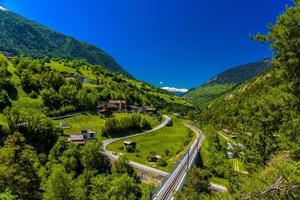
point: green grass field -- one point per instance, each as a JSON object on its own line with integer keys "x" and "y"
{"x": 220, "y": 181}
{"x": 61, "y": 67}
{"x": 205, "y": 154}
{"x": 92, "y": 121}
{"x": 158, "y": 142}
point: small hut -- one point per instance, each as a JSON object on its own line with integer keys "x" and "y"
{"x": 105, "y": 112}
{"x": 121, "y": 104}
{"x": 77, "y": 139}
{"x": 227, "y": 131}
{"x": 149, "y": 110}
{"x": 130, "y": 146}
{"x": 155, "y": 158}
{"x": 112, "y": 107}
{"x": 64, "y": 125}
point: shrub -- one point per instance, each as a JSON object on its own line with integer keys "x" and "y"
{"x": 145, "y": 125}
{"x": 162, "y": 162}
{"x": 4, "y": 100}
{"x": 33, "y": 95}
{"x": 170, "y": 123}
{"x": 167, "y": 152}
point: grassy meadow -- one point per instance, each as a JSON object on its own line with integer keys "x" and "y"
{"x": 168, "y": 142}
{"x": 92, "y": 121}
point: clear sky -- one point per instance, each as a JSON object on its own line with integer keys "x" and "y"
{"x": 181, "y": 43}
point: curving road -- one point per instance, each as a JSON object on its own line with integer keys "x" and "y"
{"x": 135, "y": 164}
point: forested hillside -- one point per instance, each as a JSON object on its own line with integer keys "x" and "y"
{"x": 37, "y": 161}
{"x": 55, "y": 87}
{"x": 21, "y": 36}
{"x": 263, "y": 115}
{"x": 224, "y": 82}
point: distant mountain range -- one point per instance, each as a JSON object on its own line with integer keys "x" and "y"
{"x": 176, "y": 91}
{"x": 224, "y": 82}
{"x": 24, "y": 37}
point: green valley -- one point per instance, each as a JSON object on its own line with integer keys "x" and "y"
{"x": 75, "y": 125}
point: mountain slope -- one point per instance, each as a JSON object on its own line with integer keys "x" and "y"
{"x": 21, "y": 36}
{"x": 58, "y": 86}
{"x": 224, "y": 82}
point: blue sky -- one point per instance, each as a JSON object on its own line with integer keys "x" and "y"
{"x": 181, "y": 43}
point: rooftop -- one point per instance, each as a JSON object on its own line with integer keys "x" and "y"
{"x": 75, "y": 137}
{"x": 116, "y": 101}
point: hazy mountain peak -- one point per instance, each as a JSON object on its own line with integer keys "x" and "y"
{"x": 3, "y": 9}
{"x": 173, "y": 89}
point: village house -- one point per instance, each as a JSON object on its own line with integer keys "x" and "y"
{"x": 88, "y": 135}
{"x": 130, "y": 146}
{"x": 149, "y": 110}
{"x": 112, "y": 107}
{"x": 134, "y": 109}
{"x": 83, "y": 137}
{"x": 121, "y": 104}
{"x": 104, "y": 111}
{"x": 77, "y": 139}
{"x": 226, "y": 131}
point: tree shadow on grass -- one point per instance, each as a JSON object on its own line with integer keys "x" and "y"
{"x": 12, "y": 93}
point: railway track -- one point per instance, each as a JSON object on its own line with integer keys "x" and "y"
{"x": 176, "y": 179}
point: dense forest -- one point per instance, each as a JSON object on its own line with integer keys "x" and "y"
{"x": 264, "y": 114}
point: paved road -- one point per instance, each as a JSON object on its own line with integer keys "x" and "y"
{"x": 176, "y": 180}
{"x": 135, "y": 164}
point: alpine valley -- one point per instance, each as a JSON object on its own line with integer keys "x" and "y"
{"x": 75, "y": 125}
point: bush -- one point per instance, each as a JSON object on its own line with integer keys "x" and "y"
{"x": 159, "y": 118}
{"x": 167, "y": 152}
{"x": 134, "y": 123}
{"x": 33, "y": 95}
{"x": 145, "y": 125}
{"x": 4, "y": 100}
{"x": 170, "y": 123}
{"x": 162, "y": 162}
